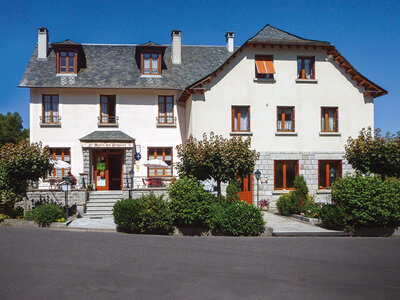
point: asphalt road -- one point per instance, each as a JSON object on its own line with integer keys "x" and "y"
{"x": 57, "y": 264}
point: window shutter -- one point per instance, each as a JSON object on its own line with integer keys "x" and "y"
{"x": 340, "y": 169}
{"x": 248, "y": 119}
{"x": 293, "y": 121}
{"x": 336, "y": 120}
{"x": 270, "y": 65}
{"x": 313, "y": 68}
{"x": 233, "y": 118}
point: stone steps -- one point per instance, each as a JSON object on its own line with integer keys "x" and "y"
{"x": 101, "y": 203}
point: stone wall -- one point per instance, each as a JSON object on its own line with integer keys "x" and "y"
{"x": 136, "y": 193}
{"x": 308, "y": 167}
{"x": 75, "y": 196}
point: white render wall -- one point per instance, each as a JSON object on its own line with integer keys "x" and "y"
{"x": 79, "y": 108}
{"x": 236, "y": 85}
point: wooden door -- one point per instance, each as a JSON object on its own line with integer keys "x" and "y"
{"x": 246, "y": 190}
{"x": 101, "y": 172}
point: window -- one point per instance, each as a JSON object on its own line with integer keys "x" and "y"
{"x": 60, "y": 154}
{"x": 240, "y": 118}
{"x": 264, "y": 67}
{"x": 107, "y": 109}
{"x": 164, "y": 154}
{"x": 306, "y": 68}
{"x": 50, "y": 109}
{"x": 285, "y": 118}
{"x": 329, "y": 119}
{"x": 67, "y": 62}
{"x": 151, "y": 63}
{"x": 285, "y": 172}
{"x": 328, "y": 172}
{"x": 166, "y": 110}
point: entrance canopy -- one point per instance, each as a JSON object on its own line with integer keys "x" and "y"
{"x": 107, "y": 139}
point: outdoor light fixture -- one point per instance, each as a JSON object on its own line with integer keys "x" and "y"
{"x": 67, "y": 182}
{"x": 258, "y": 176}
{"x": 131, "y": 174}
{"x": 332, "y": 176}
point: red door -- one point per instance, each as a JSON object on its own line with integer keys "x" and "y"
{"x": 101, "y": 172}
{"x": 246, "y": 193}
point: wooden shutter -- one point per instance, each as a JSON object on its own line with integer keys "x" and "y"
{"x": 248, "y": 118}
{"x": 340, "y": 169}
{"x": 261, "y": 69}
{"x": 336, "y": 120}
{"x": 293, "y": 123}
{"x": 269, "y": 65}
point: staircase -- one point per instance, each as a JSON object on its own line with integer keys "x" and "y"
{"x": 101, "y": 203}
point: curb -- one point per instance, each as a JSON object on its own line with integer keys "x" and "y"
{"x": 319, "y": 234}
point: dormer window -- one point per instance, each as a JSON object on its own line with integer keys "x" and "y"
{"x": 151, "y": 63}
{"x": 67, "y": 62}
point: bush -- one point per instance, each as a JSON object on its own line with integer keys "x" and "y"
{"x": 46, "y": 214}
{"x": 147, "y": 214}
{"x": 285, "y": 204}
{"x": 189, "y": 203}
{"x": 232, "y": 191}
{"x": 2, "y": 217}
{"x": 310, "y": 210}
{"x": 293, "y": 202}
{"x": 236, "y": 218}
{"x": 367, "y": 201}
{"x": 332, "y": 217}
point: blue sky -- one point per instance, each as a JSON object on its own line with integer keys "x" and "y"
{"x": 365, "y": 32}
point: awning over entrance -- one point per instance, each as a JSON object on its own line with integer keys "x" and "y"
{"x": 107, "y": 139}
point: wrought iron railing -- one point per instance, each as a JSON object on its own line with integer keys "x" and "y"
{"x": 104, "y": 120}
{"x": 166, "y": 120}
{"x": 50, "y": 119}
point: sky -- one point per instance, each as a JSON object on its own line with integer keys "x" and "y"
{"x": 367, "y": 33}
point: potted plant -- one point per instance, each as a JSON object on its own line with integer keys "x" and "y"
{"x": 264, "y": 204}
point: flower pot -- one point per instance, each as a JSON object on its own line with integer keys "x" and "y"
{"x": 265, "y": 208}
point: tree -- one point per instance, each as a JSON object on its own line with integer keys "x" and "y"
{"x": 224, "y": 160}
{"x": 374, "y": 153}
{"x": 11, "y": 130}
{"x": 20, "y": 163}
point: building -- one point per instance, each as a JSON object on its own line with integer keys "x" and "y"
{"x": 299, "y": 100}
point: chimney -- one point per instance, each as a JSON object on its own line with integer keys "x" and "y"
{"x": 43, "y": 43}
{"x": 229, "y": 40}
{"x": 176, "y": 47}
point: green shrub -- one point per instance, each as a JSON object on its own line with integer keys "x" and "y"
{"x": 126, "y": 214}
{"x": 46, "y": 214}
{"x": 2, "y": 217}
{"x": 310, "y": 210}
{"x": 147, "y": 214}
{"x": 232, "y": 191}
{"x": 300, "y": 194}
{"x": 332, "y": 217}
{"x": 367, "y": 201}
{"x": 29, "y": 215}
{"x": 236, "y": 218}
{"x": 285, "y": 204}
{"x": 189, "y": 203}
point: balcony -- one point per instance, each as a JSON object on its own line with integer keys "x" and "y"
{"x": 167, "y": 121}
{"x": 107, "y": 121}
{"x": 50, "y": 121}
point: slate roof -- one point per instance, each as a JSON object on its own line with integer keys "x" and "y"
{"x": 107, "y": 135}
{"x": 117, "y": 66}
{"x": 272, "y": 35}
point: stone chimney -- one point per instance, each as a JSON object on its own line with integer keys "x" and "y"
{"x": 229, "y": 40}
{"x": 176, "y": 47}
{"x": 43, "y": 43}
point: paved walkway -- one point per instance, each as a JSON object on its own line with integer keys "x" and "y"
{"x": 86, "y": 223}
{"x": 286, "y": 226}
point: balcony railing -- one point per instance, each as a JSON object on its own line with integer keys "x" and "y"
{"x": 50, "y": 120}
{"x": 108, "y": 120}
{"x": 168, "y": 120}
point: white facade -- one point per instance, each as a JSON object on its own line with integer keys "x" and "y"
{"x": 79, "y": 110}
{"x": 206, "y": 107}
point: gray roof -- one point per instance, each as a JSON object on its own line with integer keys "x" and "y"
{"x": 117, "y": 66}
{"x": 272, "y": 35}
{"x": 107, "y": 135}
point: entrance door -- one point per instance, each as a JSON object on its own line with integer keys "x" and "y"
{"x": 115, "y": 166}
{"x": 246, "y": 189}
{"x": 101, "y": 171}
